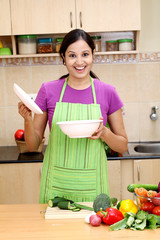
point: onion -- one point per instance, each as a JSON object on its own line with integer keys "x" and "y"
{"x": 95, "y": 220}
{"x": 159, "y": 187}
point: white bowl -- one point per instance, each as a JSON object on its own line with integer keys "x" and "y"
{"x": 79, "y": 128}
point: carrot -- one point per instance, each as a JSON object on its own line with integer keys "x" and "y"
{"x": 151, "y": 193}
{"x": 141, "y": 192}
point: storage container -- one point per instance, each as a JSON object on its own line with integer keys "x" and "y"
{"x": 27, "y": 44}
{"x": 97, "y": 43}
{"x": 45, "y": 45}
{"x": 58, "y": 44}
{"x": 111, "y": 45}
{"x": 125, "y": 44}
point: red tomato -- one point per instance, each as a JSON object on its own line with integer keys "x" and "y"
{"x": 156, "y": 201}
{"x": 156, "y": 210}
{"x": 147, "y": 207}
{"x": 19, "y": 135}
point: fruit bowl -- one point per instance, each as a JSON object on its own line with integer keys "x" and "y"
{"x": 141, "y": 200}
{"x": 79, "y": 128}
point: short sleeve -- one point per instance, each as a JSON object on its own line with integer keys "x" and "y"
{"x": 115, "y": 102}
{"x": 41, "y": 99}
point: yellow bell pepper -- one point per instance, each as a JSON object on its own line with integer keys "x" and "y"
{"x": 128, "y": 205}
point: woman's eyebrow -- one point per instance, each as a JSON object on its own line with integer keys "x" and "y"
{"x": 75, "y": 52}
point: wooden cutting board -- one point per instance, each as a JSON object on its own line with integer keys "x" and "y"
{"x": 56, "y": 213}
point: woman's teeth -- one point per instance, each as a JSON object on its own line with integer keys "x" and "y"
{"x": 79, "y": 68}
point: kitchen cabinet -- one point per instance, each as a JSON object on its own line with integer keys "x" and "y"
{"x": 20, "y": 183}
{"x": 61, "y": 16}
{"x": 147, "y": 171}
{"x": 114, "y": 178}
{"x": 106, "y": 15}
{"x": 5, "y": 19}
{"x": 54, "y": 18}
{"x": 42, "y": 16}
{"x": 127, "y": 177}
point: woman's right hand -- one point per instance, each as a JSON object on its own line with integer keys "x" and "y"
{"x": 24, "y": 111}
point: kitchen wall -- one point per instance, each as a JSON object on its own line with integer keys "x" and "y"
{"x": 137, "y": 82}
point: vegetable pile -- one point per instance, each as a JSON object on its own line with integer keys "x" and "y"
{"x": 147, "y": 197}
{"x": 141, "y": 220}
{"x": 125, "y": 214}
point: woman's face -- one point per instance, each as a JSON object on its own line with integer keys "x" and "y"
{"x": 79, "y": 59}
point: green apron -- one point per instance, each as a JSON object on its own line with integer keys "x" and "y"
{"x": 75, "y": 168}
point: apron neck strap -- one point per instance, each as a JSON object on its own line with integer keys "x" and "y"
{"x": 64, "y": 87}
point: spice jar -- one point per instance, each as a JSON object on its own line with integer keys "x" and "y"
{"x": 27, "y": 44}
{"x": 125, "y": 44}
{"x": 111, "y": 45}
{"x": 97, "y": 43}
{"x": 58, "y": 44}
{"x": 45, "y": 45}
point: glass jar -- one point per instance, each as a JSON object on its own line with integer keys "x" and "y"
{"x": 125, "y": 44}
{"x": 97, "y": 43}
{"x": 111, "y": 45}
{"x": 27, "y": 44}
{"x": 45, "y": 45}
{"x": 58, "y": 44}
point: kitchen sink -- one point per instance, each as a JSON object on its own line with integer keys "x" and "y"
{"x": 143, "y": 149}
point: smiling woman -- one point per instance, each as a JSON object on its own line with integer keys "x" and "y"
{"x": 76, "y": 168}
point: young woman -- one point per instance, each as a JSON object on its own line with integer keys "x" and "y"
{"x": 75, "y": 168}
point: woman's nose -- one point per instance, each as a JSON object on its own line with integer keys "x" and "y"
{"x": 79, "y": 60}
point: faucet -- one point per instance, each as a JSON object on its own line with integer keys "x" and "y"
{"x": 153, "y": 115}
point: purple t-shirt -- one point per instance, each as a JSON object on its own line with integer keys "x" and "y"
{"x": 106, "y": 96}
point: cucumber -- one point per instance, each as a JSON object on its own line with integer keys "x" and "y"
{"x": 152, "y": 187}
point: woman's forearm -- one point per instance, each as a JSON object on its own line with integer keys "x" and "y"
{"x": 31, "y": 138}
{"x": 115, "y": 142}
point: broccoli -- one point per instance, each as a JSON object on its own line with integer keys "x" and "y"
{"x": 101, "y": 201}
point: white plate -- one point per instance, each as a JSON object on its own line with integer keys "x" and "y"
{"x": 79, "y": 128}
{"x": 26, "y": 99}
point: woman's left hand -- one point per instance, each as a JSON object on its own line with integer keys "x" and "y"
{"x": 99, "y": 130}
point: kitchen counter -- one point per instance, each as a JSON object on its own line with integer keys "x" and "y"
{"x": 27, "y": 222}
{"x": 10, "y": 154}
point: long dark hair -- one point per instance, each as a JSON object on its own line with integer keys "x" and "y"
{"x": 72, "y": 37}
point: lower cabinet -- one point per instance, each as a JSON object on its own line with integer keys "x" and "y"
{"x": 20, "y": 183}
{"x": 114, "y": 178}
{"x": 147, "y": 171}
{"x": 120, "y": 175}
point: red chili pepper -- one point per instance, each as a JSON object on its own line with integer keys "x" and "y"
{"x": 111, "y": 216}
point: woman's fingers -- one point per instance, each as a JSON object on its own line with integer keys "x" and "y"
{"x": 23, "y": 110}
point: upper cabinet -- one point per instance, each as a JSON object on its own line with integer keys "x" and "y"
{"x": 108, "y": 15}
{"x": 61, "y": 16}
{"x": 5, "y": 20}
{"x": 42, "y": 16}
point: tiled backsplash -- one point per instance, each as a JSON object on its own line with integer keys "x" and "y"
{"x": 136, "y": 78}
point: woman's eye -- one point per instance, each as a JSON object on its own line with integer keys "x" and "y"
{"x": 72, "y": 55}
{"x": 85, "y": 54}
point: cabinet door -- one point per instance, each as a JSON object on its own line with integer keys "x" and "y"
{"x": 147, "y": 171}
{"x": 20, "y": 183}
{"x": 114, "y": 178}
{"x": 42, "y": 16}
{"x": 5, "y": 20}
{"x": 107, "y": 15}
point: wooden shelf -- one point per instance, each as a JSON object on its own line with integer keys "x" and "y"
{"x": 57, "y": 54}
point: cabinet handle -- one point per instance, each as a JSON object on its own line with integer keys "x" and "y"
{"x": 80, "y": 19}
{"x": 138, "y": 173}
{"x": 71, "y": 24}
